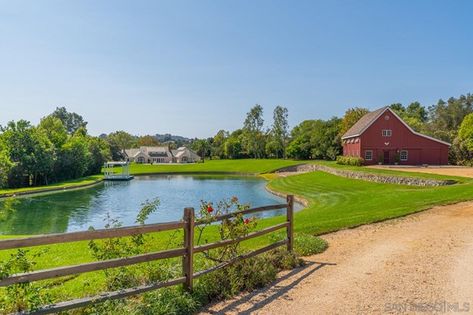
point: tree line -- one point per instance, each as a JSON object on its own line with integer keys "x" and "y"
{"x": 59, "y": 148}
{"x": 450, "y": 120}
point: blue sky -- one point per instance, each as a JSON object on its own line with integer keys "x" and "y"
{"x": 194, "y": 67}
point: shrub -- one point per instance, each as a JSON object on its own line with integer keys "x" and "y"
{"x": 306, "y": 244}
{"x": 350, "y": 160}
{"x": 22, "y": 296}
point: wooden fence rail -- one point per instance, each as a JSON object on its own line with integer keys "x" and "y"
{"x": 187, "y": 253}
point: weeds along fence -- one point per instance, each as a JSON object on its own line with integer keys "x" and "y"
{"x": 188, "y": 224}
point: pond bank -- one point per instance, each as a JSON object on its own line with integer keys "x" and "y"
{"x": 53, "y": 188}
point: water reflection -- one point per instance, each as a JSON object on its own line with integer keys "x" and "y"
{"x": 80, "y": 209}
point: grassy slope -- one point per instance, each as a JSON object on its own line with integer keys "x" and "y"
{"x": 66, "y": 184}
{"x": 335, "y": 203}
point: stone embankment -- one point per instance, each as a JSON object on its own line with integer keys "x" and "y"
{"x": 378, "y": 178}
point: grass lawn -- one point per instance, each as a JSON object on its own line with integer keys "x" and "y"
{"x": 334, "y": 203}
{"x": 245, "y": 166}
{"x": 62, "y": 185}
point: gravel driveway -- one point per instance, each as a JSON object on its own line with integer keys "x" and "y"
{"x": 420, "y": 264}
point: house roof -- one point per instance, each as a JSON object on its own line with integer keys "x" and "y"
{"x": 368, "y": 119}
{"x": 361, "y": 125}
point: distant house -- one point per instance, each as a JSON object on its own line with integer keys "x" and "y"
{"x": 161, "y": 155}
{"x": 185, "y": 155}
{"x": 383, "y": 137}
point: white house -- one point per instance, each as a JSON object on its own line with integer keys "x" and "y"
{"x": 161, "y": 155}
{"x": 185, "y": 155}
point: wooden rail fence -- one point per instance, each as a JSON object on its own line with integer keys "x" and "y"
{"x": 187, "y": 253}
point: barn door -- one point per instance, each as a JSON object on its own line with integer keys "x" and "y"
{"x": 386, "y": 157}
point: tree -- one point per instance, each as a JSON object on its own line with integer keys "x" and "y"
{"x": 351, "y": 116}
{"x": 233, "y": 145}
{"x": 316, "y": 139}
{"x": 100, "y": 153}
{"x": 276, "y": 146}
{"x": 445, "y": 117}
{"x": 75, "y": 157}
{"x": 147, "y": 141}
{"x": 300, "y": 146}
{"x": 218, "y": 144}
{"x": 31, "y": 153}
{"x": 72, "y": 121}
{"x": 119, "y": 141}
{"x": 201, "y": 146}
{"x": 5, "y": 165}
{"x": 253, "y": 138}
{"x": 415, "y": 115}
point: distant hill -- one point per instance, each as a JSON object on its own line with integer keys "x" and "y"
{"x": 172, "y": 138}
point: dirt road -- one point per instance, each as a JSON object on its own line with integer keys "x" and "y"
{"x": 418, "y": 264}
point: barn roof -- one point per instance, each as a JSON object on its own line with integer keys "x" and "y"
{"x": 364, "y": 122}
{"x": 368, "y": 119}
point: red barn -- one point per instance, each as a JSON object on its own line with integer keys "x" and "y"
{"x": 383, "y": 137}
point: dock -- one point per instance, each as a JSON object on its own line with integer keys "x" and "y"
{"x": 111, "y": 175}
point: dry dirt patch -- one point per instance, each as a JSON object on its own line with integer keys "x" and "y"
{"x": 416, "y": 264}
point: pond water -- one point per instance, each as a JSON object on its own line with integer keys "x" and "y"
{"x": 78, "y": 210}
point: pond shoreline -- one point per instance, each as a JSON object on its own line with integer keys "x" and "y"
{"x": 38, "y": 190}
{"x": 49, "y": 190}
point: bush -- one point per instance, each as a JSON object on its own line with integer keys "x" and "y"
{"x": 306, "y": 244}
{"x": 350, "y": 160}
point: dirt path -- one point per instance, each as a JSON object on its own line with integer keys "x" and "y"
{"x": 441, "y": 170}
{"x": 418, "y": 264}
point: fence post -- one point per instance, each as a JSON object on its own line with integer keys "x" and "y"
{"x": 188, "y": 259}
{"x": 290, "y": 220}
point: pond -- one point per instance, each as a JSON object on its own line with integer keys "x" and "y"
{"x": 80, "y": 209}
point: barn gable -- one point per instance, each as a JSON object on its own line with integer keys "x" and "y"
{"x": 370, "y": 118}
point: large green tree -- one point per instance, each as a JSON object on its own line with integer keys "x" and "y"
{"x": 253, "y": 137}
{"x": 316, "y": 139}
{"x": 277, "y": 143}
{"x": 72, "y": 121}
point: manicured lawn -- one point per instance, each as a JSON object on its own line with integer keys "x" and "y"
{"x": 245, "y": 166}
{"x": 335, "y": 203}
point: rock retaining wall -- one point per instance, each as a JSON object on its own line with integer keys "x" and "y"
{"x": 378, "y": 178}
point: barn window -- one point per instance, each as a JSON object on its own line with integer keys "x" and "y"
{"x": 368, "y": 155}
{"x": 387, "y": 132}
{"x": 403, "y": 155}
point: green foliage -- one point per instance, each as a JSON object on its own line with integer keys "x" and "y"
{"x": 352, "y": 115}
{"x": 350, "y": 160}
{"x": 22, "y": 296}
{"x": 276, "y": 146}
{"x": 253, "y": 139}
{"x": 112, "y": 248}
{"x": 465, "y": 133}
{"x": 119, "y": 141}
{"x": 71, "y": 121}
{"x": 306, "y": 244}
{"x": 315, "y": 139}
{"x": 147, "y": 141}
{"x": 34, "y": 156}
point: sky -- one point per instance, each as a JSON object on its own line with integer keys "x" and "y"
{"x": 194, "y": 67}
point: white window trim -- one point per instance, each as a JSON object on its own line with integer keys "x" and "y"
{"x": 387, "y": 132}
{"x": 370, "y": 159}
{"x": 400, "y": 155}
